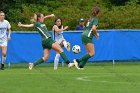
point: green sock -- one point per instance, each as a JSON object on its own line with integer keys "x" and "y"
{"x": 63, "y": 56}
{"x": 82, "y": 64}
{"x": 84, "y": 58}
{"x": 39, "y": 61}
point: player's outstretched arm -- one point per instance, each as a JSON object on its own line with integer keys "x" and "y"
{"x": 25, "y": 25}
{"x": 49, "y": 16}
{"x": 95, "y": 32}
{"x": 66, "y": 27}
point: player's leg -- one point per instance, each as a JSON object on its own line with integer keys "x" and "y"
{"x": 57, "y": 48}
{"x": 79, "y": 63}
{"x": 41, "y": 60}
{"x": 66, "y": 45}
{"x": 56, "y": 60}
{"x": 91, "y": 52}
{"x": 4, "y": 51}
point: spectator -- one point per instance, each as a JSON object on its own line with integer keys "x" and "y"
{"x": 81, "y": 25}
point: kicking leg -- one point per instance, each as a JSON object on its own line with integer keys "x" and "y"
{"x": 57, "y": 48}
{"x": 66, "y": 45}
{"x": 83, "y": 60}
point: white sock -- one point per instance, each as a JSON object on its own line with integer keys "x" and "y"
{"x": 3, "y": 59}
{"x": 65, "y": 44}
{"x": 56, "y": 60}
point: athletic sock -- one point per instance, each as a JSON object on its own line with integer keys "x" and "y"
{"x": 84, "y": 58}
{"x": 3, "y": 60}
{"x": 56, "y": 60}
{"x": 82, "y": 64}
{"x": 41, "y": 60}
{"x": 2, "y": 66}
{"x": 64, "y": 57}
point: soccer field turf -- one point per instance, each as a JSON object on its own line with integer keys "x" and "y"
{"x": 121, "y": 78}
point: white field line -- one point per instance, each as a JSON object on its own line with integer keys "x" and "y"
{"x": 87, "y": 79}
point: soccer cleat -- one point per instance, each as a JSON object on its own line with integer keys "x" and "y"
{"x": 68, "y": 46}
{"x": 76, "y": 64}
{"x": 70, "y": 65}
{"x": 2, "y": 66}
{"x": 55, "y": 68}
{"x": 31, "y": 66}
{"x": 81, "y": 68}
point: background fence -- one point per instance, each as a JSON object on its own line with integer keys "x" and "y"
{"x": 112, "y": 45}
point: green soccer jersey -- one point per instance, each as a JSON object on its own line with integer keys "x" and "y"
{"x": 88, "y": 29}
{"x": 42, "y": 29}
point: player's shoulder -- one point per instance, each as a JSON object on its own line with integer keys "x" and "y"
{"x": 36, "y": 24}
{"x": 6, "y": 21}
{"x": 95, "y": 19}
{"x": 55, "y": 26}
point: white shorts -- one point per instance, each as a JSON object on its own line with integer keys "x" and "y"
{"x": 3, "y": 41}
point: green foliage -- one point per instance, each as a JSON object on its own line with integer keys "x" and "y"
{"x": 114, "y": 14}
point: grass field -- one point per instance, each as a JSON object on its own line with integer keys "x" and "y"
{"x": 95, "y": 78}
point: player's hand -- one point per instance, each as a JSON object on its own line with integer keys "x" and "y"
{"x": 52, "y": 15}
{"x": 66, "y": 27}
{"x": 19, "y": 24}
{"x": 97, "y": 36}
{"x": 9, "y": 38}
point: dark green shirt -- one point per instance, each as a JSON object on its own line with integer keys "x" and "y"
{"x": 88, "y": 29}
{"x": 42, "y": 29}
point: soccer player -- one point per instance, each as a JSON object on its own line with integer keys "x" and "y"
{"x": 4, "y": 26}
{"x": 87, "y": 35}
{"x": 47, "y": 42}
{"x": 58, "y": 29}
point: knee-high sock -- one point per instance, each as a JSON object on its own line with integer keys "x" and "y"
{"x": 82, "y": 64}
{"x": 41, "y": 60}
{"x": 64, "y": 57}
{"x": 3, "y": 59}
{"x": 56, "y": 60}
{"x": 82, "y": 61}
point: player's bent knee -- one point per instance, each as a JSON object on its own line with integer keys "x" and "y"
{"x": 60, "y": 51}
{"x": 4, "y": 54}
{"x": 91, "y": 53}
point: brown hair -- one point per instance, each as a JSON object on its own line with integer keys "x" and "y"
{"x": 61, "y": 22}
{"x": 95, "y": 11}
{"x": 38, "y": 15}
{"x": 1, "y": 12}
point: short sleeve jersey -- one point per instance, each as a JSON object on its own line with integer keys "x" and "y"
{"x": 4, "y": 25}
{"x": 88, "y": 29}
{"x": 42, "y": 29}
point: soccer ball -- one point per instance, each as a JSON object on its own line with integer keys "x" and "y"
{"x": 76, "y": 49}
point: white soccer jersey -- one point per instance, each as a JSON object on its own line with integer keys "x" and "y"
{"x": 3, "y": 28}
{"x": 58, "y": 36}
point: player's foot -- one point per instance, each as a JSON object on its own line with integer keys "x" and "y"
{"x": 70, "y": 65}
{"x": 55, "y": 68}
{"x": 81, "y": 68}
{"x": 31, "y": 66}
{"x": 2, "y": 66}
{"x": 76, "y": 64}
{"x": 68, "y": 46}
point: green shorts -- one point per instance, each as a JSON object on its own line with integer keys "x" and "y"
{"x": 47, "y": 43}
{"x": 86, "y": 40}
